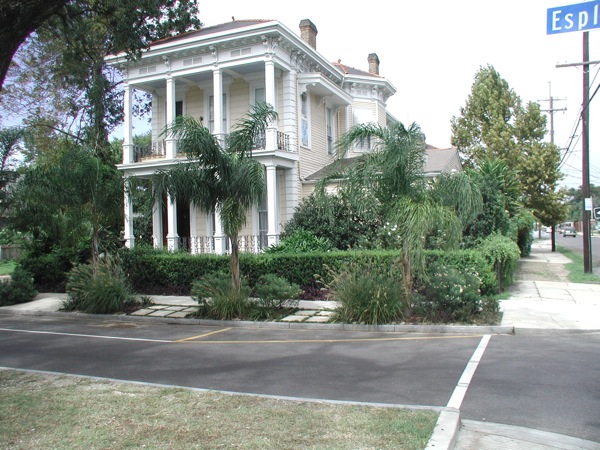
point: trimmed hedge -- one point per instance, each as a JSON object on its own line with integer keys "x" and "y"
{"x": 162, "y": 273}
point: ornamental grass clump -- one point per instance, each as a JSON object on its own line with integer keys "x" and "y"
{"x": 218, "y": 298}
{"x": 369, "y": 292}
{"x": 101, "y": 291}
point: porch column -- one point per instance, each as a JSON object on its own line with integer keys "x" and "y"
{"x": 157, "y": 225}
{"x": 172, "y": 236}
{"x": 220, "y": 238}
{"x": 291, "y": 192}
{"x": 271, "y": 131}
{"x": 128, "y": 229}
{"x": 289, "y": 118}
{"x": 128, "y": 155}
{"x": 170, "y": 140}
{"x": 272, "y": 199}
{"x": 194, "y": 229}
{"x": 218, "y": 102}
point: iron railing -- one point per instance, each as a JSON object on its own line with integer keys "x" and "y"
{"x": 201, "y": 245}
{"x": 156, "y": 150}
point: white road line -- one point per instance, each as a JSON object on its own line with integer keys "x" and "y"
{"x": 85, "y": 335}
{"x": 463, "y": 384}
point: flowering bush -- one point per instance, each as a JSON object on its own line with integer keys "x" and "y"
{"x": 452, "y": 295}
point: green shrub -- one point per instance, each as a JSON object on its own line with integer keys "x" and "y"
{"x": 49, "y": 271}
{"x": 369, "y": 292}
{"x": 453, "y": 294}
{"x": 161, "y": 272}
{"x": 463, "y": 260}
{"x": 19, "y": 289}
{"x": 276, "y": 292}
{"x": 218, "y": 298}
{"x": 301, "y": 241}
{"x": 521, "y": 229}
{"x": 502, "y": 253}
{"x": 105, "y": 292}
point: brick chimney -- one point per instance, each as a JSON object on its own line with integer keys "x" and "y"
{"x": 308, "y": 33}
{"x": 373, "y": 63}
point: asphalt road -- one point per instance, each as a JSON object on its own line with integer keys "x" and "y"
{"x": 544, "y": 382}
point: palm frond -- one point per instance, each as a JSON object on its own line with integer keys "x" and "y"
{"x": 254, "y": 124}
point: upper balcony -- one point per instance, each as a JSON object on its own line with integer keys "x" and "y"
{"x": 157, "y": 149}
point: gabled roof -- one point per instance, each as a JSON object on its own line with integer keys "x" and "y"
{"x": 439, "y": 160}
{"x": 348, "y": 70}
{"x": 436, "y": 161}
{"x": 213, "y": 29}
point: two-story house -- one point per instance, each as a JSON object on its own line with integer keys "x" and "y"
{"x": 216, "y": 74}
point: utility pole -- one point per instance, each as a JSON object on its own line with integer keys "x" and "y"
{"x": 551, "y": 110}
{"x": 585, "y": 164}
{"x": 585, "y": 151}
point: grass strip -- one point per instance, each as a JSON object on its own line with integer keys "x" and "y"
{"x": 7, "y": 266}
{"x": 60, "y": 412}
{"x": 575, "y": 267}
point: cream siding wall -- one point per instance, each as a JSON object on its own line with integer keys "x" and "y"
{"x": 201, "y": 225}
{"x": 369, "y": 110}
{"x": 194, "y": 103}
{"x": 239, "y": 92}
{"x": 316, "y": 157}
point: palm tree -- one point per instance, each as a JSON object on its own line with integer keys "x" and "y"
{"x": 219, "y": 175}
{"x": 412, "y": 206}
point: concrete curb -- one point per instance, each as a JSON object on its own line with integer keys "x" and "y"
{"x": 446, "y": 430}
{"x": 403, "y": 328}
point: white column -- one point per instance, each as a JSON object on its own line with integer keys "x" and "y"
{"x": 128, "y": 230}
{"x": 194, "y": 228}
{"x": 170, "y": 140}
{"x": 218, "y": 102}
{"x": 272, "y": 199}
{"x": 271, "y": 132}
{"x": 289, "y": 117}
{"x": 172, "y": 236}
{"x": 127, "y": 126}
{"x": 157, "y": 225}
{"x": 220, "y": 238}
{"x": 291, "y": 191}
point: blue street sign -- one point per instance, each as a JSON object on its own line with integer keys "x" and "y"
{"x": 579, "y": 17}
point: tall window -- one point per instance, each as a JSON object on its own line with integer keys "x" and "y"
{"x": 362, "y": 116}
{"x": 179, "y": 108}
{"x": 329, "y": 119}
{"x": 260, "y": 95}
{"x": 263, "y": 222}
{"x": 304, "y": 120}
{"x": 211, "y": 113}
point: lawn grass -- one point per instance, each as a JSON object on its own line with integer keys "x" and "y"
{"x": 7, "y": 266}
{"x": 575, "y": 267}
{"x": 61, "y": 412}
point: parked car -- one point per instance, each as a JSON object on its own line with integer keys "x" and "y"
{"x": 569, "y": 231}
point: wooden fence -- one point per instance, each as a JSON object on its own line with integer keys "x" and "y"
{"x": 10, "y": 251}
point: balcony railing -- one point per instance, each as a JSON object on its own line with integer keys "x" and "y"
{"x": 156, "y": 150}
{"x": 283, "y": 142}
{"x": 206, "y": 244}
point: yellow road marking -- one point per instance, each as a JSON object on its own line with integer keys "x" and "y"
{"x": 320, "y": 341}
{"x": 200, "y": 336}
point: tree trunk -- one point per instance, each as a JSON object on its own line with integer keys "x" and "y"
{"x": 18, "y": 19}
{"x": 235, "y": 263}
{"x": 407, "y": 279}
{"x": 95, "y": 251}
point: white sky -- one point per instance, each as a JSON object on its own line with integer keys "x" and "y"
{"x": 431, "y": 50}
